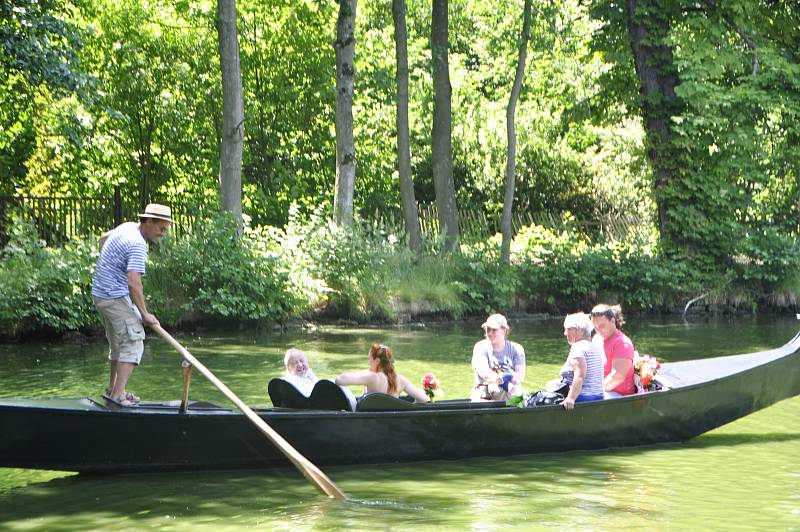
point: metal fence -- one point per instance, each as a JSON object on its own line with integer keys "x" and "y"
{"x": 58, "y": 219}
{"x": 475, "y": 225}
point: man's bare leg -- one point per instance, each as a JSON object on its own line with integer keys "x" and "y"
{"x": 112, "y": 376}
{"x": 123, "y": 373}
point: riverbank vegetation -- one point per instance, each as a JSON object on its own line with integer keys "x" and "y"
{"x": 644, "y": 153}
{"x": 315, "y": 270}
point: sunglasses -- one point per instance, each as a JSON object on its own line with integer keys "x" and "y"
{"x": 608, "y": 313}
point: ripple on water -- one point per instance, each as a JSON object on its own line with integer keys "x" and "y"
{"x": 744, "y": 475}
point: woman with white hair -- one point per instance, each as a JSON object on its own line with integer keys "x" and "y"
{"x": 583, "y": 370}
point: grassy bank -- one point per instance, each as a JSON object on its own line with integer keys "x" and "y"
{"x": 314, "y": 270}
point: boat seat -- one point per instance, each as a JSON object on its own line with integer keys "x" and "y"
{"x": 381, "y": 402}
{"x": 326, "y": 395}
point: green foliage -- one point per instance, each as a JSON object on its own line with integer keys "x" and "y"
{"x": 313, "y": 268}
{"x": 351, "y": 266}
{"x": 45, "y": 289}
{"x": 564, "y": 271}
{"x": 486, "y": 283}
{"x": 39, "y": 41}
{"x": 429, "y": 283}
{"x": 151, "y": 123}
{"x": 768, "y": 258}
{"x": 213, "y": 274}
{"x": 728, "y": 159}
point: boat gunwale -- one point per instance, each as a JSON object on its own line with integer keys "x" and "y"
{"x": 786, "y": 350}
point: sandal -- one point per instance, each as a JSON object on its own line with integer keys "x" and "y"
{"x": 121, "y": 401}
{"x": 133, "y": 398}
{"x": 129, "y": 396}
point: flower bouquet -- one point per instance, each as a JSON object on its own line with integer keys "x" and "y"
{"x": 645, "y": 368}
{"x": 431, "y": 386}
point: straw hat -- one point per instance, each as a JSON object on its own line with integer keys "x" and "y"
{"x": 157, "y": 211}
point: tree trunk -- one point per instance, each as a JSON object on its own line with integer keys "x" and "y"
{"x": 441, "y": 148}
{"x": 345, "y": 142}
{"x": 230, "y": 153}
{"x": 658, "y": 78}
{"x": 511, "y": 162}
{"x": 410, "y": 214}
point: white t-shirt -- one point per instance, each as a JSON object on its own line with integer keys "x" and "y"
{"x": 304, "y": 383}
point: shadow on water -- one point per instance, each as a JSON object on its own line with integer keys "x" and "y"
{"x": 411, "y": 494}
{"x": 598, "y": 490}
{"x": 727, "y": 440}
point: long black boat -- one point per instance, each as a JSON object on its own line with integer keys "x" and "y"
{"x": 96, "y": 435}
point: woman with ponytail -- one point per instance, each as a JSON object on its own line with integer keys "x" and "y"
{"x": 381, "y": 376}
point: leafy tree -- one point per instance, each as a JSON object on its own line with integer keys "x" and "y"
{"x": 158, "y": 115}
{"x": 345, "y": 142}
{"x": 410, "y": 213}
{"x": 39, "y": 41}
{"x": 441, "y": 143}
{"x": 38, "y": 59}
{"x": 230, "y": 158}
{"x": 511, "y": 162}
{"x": 289, "y": 146}
{"x": 715, "y": 81}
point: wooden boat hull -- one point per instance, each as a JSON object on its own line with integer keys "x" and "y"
{"x": 93, "y": 436}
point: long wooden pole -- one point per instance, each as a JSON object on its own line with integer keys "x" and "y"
{"x": 309, "y": 470}
{"x": 187, "y": 378}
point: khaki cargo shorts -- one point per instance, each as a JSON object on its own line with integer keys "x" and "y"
{"x": 124, "y": 329}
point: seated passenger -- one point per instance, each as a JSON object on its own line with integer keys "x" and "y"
{"x": 618, "y": 350}
{"x": 298, "y": 372}
{"x": 381, "y": 376}
{"x": 583, "y": 370}
{"x": 498, "y": 364}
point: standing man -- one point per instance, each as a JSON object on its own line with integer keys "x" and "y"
{"x": 498, "y": 363}
{"x": 119, "y": 297}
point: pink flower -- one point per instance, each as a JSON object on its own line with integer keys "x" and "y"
{"x": 646, "y": 367}
{"x": 431, "y": 386}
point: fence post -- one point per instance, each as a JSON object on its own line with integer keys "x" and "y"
{"x": 117, "y": 206}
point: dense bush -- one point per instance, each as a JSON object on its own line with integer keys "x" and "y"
{"x": 768, "y": 258}
{"x": 315, "y": 269}
{"x": 564, "y": 271}
{"x": 212, "y": 274}
{"x": 45, "y": 289}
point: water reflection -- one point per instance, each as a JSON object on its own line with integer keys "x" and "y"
{"x": 744, "y": 475}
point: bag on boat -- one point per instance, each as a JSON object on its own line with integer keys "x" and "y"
{"x": 544, "y": 398}
{"x": 557, "y": 386}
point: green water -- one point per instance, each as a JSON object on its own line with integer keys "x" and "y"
{"x": 745, "y": 475}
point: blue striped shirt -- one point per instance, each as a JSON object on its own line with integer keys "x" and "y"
{"x": 125, "y": 250}
{"x": 593, "y": 382}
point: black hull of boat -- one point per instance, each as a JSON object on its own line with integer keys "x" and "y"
{"x": 94, "y": 436}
